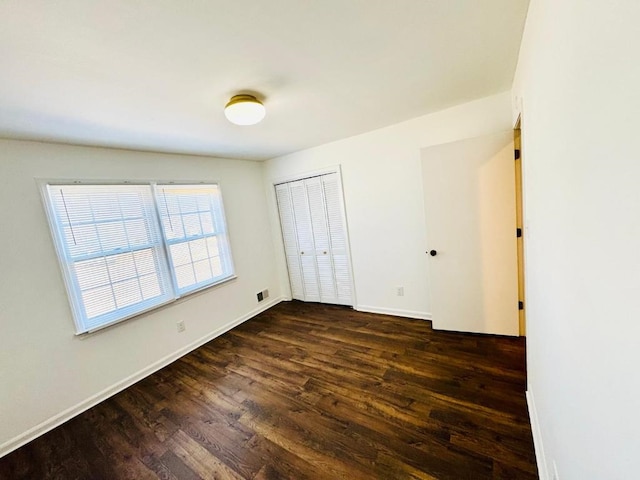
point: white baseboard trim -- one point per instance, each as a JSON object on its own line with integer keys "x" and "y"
{"x": 393, "y": 311}
{"x": 541, "y": 460}
{"x": 68, "y": 414}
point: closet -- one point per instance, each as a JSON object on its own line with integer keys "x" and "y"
{"x": 315, "y": 239}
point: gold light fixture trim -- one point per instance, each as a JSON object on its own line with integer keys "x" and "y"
{"x": 244, "y": 110}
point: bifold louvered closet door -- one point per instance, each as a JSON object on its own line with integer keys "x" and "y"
{"x": 315, "y": 239}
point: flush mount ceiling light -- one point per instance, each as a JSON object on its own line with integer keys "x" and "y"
{"x": 244, "y": 110}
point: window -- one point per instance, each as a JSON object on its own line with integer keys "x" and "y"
{"x": 125, "y": 249}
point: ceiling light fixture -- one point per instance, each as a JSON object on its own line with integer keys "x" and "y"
{"x": 244, "y": 110}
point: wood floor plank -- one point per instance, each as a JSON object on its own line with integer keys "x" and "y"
{"x": 199, "y": 459}
{"x": 308, "y": 391}
{"x": 300, "y": 442}
{"x": 289, "y": 465}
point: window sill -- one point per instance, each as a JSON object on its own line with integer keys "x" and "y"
{"x": 183, "y": 298}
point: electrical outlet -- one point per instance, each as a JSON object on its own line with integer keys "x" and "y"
{"x": 400, "y": 291}
{"x": 181, "y": 326}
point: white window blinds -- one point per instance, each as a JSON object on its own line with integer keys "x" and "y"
{"x": 113, "y": 250}
{"x": 194, "y": 229}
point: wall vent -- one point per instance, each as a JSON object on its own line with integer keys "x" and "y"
{"x": 262, "y": 295}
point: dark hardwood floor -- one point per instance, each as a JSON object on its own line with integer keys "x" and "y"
{"x": 308, "y": 391}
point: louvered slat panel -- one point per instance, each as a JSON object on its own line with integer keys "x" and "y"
{"x": 295, "y": 277}
{"x": 287, "y": 220}
{"x": 328, "y": 292}
{"x": 300, "y": 204}
{"x": 343, "y": 279}
{"x": 310, "y": 278}
{"x": 338, "y": 237}
{"x": 318, "y": 214}
{"x": 337, "y": 232}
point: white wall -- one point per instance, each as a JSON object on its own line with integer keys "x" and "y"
{"x": 578, "y": 86}
{"x": 382, "y": 181}
{"x": 46, "y": 373}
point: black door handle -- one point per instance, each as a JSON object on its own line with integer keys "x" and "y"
{"x": 433, "y": 253}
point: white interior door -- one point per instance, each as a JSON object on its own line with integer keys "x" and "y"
{"x": 338, "y": 239}
{"x": 315, "y": 239}
{"x": 470, "y": 211}
{"x": 290, "y": 240}
{"x": 306, "y": 244}
{"x": 322, "y": 246}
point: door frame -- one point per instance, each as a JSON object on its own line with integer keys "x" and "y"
{"x": 337, "y": 169}
{"x": 520, "y": 223}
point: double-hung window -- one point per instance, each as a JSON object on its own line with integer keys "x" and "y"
{"x": 125, "y": 249}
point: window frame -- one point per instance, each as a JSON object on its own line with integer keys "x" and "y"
{"x": 166, "y": 269}
{"x": 220, "y": 222}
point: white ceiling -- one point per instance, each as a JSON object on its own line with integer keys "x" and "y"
{"x": 156, "y": 74}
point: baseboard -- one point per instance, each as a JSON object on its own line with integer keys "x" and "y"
{"x": 541, "y": 460}
{"x": 69, "y": 413}
{"x": 393, "y": 311}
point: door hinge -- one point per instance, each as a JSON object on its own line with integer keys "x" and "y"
{"x": 520, "y": 305}
{"x": 518, "y": 232}
{"x": 517, "y": 154}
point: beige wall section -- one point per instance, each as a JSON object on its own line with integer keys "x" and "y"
{"x": 577, "y": 87}
{"x": 382, "y": 180}
{"x": 45, "y": 370}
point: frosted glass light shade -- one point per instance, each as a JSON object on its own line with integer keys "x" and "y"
{"x": 244, "y": 110}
